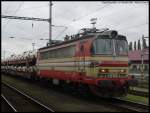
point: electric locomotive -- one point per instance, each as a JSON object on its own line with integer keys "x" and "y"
{"x": 97, "y": 59}
{"x": 93, "y": 60}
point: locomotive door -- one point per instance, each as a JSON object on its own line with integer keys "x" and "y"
{"x": 81, "y": 58}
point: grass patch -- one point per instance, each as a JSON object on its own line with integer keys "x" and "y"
{"x": 136, "y": 98}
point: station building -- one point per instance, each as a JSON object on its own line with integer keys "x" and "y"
{"x": 135, "y": 61}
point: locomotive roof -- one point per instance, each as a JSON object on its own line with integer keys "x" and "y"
{"x": 69, "y": 41}
{"x": 86, "y": 36}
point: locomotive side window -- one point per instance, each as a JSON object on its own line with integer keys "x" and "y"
{"x": 59, "y": 53}
{"x": 44, "y": 55}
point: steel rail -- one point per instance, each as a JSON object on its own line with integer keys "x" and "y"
{"x": 130, "y": 105}
{"x": 123, "y": 104}
{"x": 28, "y": 97}
{"x": 9, "y": 104}
{"x": 139, "y": 93}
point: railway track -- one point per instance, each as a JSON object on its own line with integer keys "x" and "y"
{"x": 130, "y": 105}
{"x": 139, "y": 93}
{"x": 122, "y": 105}
{"x": 6, "y": 105}
{"x": 20, "y": 102}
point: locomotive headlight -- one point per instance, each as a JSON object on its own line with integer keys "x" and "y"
{"x": 103, "y": 70}
{"x": 122, "y": 70}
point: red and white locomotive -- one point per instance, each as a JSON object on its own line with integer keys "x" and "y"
{"x": 93, "y": 60}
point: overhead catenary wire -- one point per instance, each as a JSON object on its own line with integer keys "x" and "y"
{"x": 87, "y": 14}
{"x": 81, "y": 18}
{"x": 98, "y": 10}
{"x": 20, "y": 5}
{"x": 29, "y": 18}
{"x": 133, "y": 26}
{"x": 78, "y": 19}
{"x": 91, "y": 13}
{"x": 84, "y": 17}
{"x": 61, "y": 33}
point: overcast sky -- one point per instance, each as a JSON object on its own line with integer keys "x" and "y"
{"x": 129, "y": 19}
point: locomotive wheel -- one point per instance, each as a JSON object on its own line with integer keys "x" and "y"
{"x": 32, "y": 77}
{"x": 72, "y": 88}
{"x": 102, "y": 92}
{"x": 69, "y": 87}
{"x": 36, "y": 78}
{"x": 124, "y": 91}
{"x": 83, "y": 90}
{"x": 65, "y": 87}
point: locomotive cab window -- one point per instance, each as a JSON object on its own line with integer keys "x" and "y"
{"x": 102, "y": 45}
{"x": 121, "y": 46}
{"x": 105, "y": 45}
